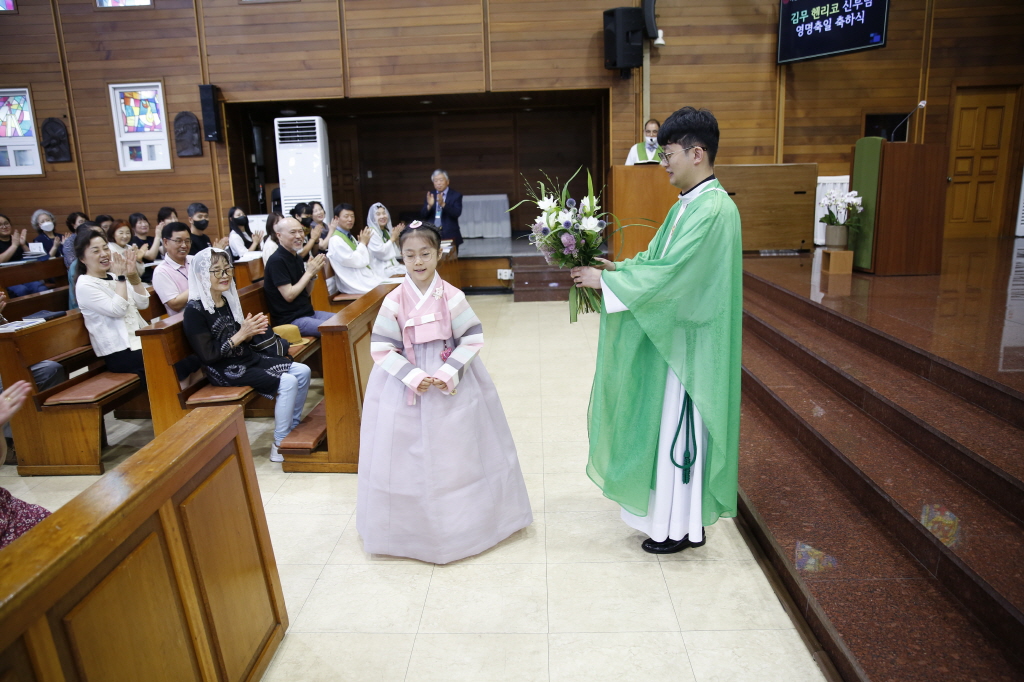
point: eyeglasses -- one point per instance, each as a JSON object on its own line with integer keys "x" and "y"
{"x": 180, "y": 241}
{"x": 665, "y": 156}
{"x": 226, "y": 272}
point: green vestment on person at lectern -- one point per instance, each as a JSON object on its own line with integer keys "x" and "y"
{"x": 685, "y": 300}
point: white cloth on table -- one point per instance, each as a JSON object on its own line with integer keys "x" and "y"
{"x": 485, "y": 215}
{"x": 438, "y": 480}
{"x": 674, "y": 510}
{"x": 839, "y": 183}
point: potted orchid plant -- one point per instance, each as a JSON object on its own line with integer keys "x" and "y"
{"x": 843, "y": 218}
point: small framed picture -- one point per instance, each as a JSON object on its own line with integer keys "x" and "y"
{"x": 122, "y": 4}
{"x": 140, "y": 126}
{"x": 8, "y": 6}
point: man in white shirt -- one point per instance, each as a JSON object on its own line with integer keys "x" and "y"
{"x": 349, "y": 255}
{"x": 646, "y": 151}
{"x": 170, "y": 276}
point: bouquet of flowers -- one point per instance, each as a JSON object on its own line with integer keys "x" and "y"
{"x": 568, "y": 234}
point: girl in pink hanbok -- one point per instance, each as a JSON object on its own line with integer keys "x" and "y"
{"x": 439, "y": 479}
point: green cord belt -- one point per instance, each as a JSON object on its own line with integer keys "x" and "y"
{"x": 689, "y": 456}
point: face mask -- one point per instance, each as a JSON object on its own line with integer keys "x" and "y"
{"x": 306, "y": 222}
{"x": 651, "y": 141}
{"x": 200, "y": 224}
{"x": 46, "y": 226}
{"x": 243, "y": 221}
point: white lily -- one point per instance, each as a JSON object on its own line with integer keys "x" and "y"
{"x": 589, "y": 223}
{"x": 546, "y": 204}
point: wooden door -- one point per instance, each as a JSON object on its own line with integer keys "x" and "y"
{"x": 979, "y": 161}
{"x": 344, "y": 144}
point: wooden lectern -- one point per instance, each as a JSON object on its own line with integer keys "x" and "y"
{"x": 903, "y": 188}
{"x": 776, "y": 204}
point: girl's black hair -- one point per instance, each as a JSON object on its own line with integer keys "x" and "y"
{"x": 134, "y": 219}
{"x": 234, "y": 226}
{"x": 424, "y": 230}
{"x": 70, "y": 222}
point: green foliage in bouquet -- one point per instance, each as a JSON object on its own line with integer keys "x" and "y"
{"x": 568, "y": 234}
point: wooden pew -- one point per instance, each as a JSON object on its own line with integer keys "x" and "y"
{"x": 54, "y": 299}
{"x": 164, "y": 344}
{"x": 248, "y": 273}
{"x": 60, "y": 430}
{"x": 322, "y": 299}
{"x": 33, "y": 271}
{"x": 161, "y": 570}
{"x": 347, "y": 364}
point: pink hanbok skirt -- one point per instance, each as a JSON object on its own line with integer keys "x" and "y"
{"x": 439, "y": 480}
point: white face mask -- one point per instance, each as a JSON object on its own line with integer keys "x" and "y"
{"x": 46, "y": 226}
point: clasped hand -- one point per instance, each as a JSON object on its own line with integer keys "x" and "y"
{"x": 253, "y": 325}
{"x": 316, "y": 263}
{"x": 431, "y": 381}
{"x": 123, "y": 265}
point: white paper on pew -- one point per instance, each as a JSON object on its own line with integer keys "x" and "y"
{"x": 36, "y": 247}
{"x": 20, "y": 324}
{"x": 248, "y": 256}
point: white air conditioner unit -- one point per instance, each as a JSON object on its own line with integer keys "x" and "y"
{"x": 303, "y": 162}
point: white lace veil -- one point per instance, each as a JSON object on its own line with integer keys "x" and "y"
{"x": 199, "y": 283}
{"x": 371, "y": 217}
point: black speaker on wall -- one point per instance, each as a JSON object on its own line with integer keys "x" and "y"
{"x": 209, "y": 96}
{"x": 623, "y": 39}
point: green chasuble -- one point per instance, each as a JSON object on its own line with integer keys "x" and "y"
{"x": 685, "y": 300}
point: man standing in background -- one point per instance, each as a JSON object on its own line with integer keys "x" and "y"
{"x": 443, "y": 207}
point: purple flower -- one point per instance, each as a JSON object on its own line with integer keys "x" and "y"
{"x": 545, "y": 231}
{"x": 571, "y": 203}
{"x": 569, "y": 252}
{"x": 569, "y": 242}
{"x": 567, "y": 224}
{"x": 601, "y": 224}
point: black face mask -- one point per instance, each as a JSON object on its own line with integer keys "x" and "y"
{"x": 200, "y": 224}
{"x": 306, "y": 222}
{"x": 243, "y": 221}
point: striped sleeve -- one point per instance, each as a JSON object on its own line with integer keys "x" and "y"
{"x": 386, "y": 347}
{"x": 469, "y": 339}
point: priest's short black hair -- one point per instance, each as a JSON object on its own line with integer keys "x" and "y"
{"x": 691, "y": 127}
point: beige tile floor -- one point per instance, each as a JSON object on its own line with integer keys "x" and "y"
{"x": 570, "y": 598}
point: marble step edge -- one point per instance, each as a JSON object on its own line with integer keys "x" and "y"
{"x": 1003, "y": 620}
{"x": 986, "y": 478}
{"x": 842, "y": 659}
{"x": 1002, "y": 401}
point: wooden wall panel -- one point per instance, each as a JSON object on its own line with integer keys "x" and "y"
{"x": 30, "y": 57}
{"x": 540, "y": 45}
{"x": 409, "y": 47}
{"x": 973, "y": 43}
{"x": 722, "y": 58}
{"x": 827, "y": 99}
{"x": 268, "y": 51}
{"x": 113, "y": 46}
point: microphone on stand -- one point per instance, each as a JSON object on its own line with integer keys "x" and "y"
{"x": 920, "y": 105}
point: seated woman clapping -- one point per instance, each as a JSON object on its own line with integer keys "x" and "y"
{"x": 383, "y": 244}
{"x": 237, "y": 350}
{"x": 111, "y": 293}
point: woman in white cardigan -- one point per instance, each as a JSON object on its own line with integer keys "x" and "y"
{"x": 110, "y": 294}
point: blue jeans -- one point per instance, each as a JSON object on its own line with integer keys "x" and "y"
{"x": 291, "y": 396}
{"x": 308, "y": 325}
{"x": 46, "y": 374}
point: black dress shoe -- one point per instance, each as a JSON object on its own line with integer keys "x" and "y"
{"x": 671, "y": 546}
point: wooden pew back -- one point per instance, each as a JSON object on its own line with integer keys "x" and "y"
{"x": 161, "y": 570}
{"x": 347, "y": 364}
{"x": 32, "y": 271}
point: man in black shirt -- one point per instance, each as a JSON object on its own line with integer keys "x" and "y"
{"x": 287, "y": 281}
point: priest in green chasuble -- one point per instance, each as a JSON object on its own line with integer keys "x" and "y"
{"x": 665, "y": 408}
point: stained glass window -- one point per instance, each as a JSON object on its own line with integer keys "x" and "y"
{"x": 15, "y": 117}
{"x": 19, "y": 151}
{"x": 8, "y": 6}
{"x": 139, "y": 126}
{"x": 140, "y": 111}
{"x": 122, "y": 3}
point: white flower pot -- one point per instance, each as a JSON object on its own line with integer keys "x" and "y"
{"x": 836, "y": 237}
